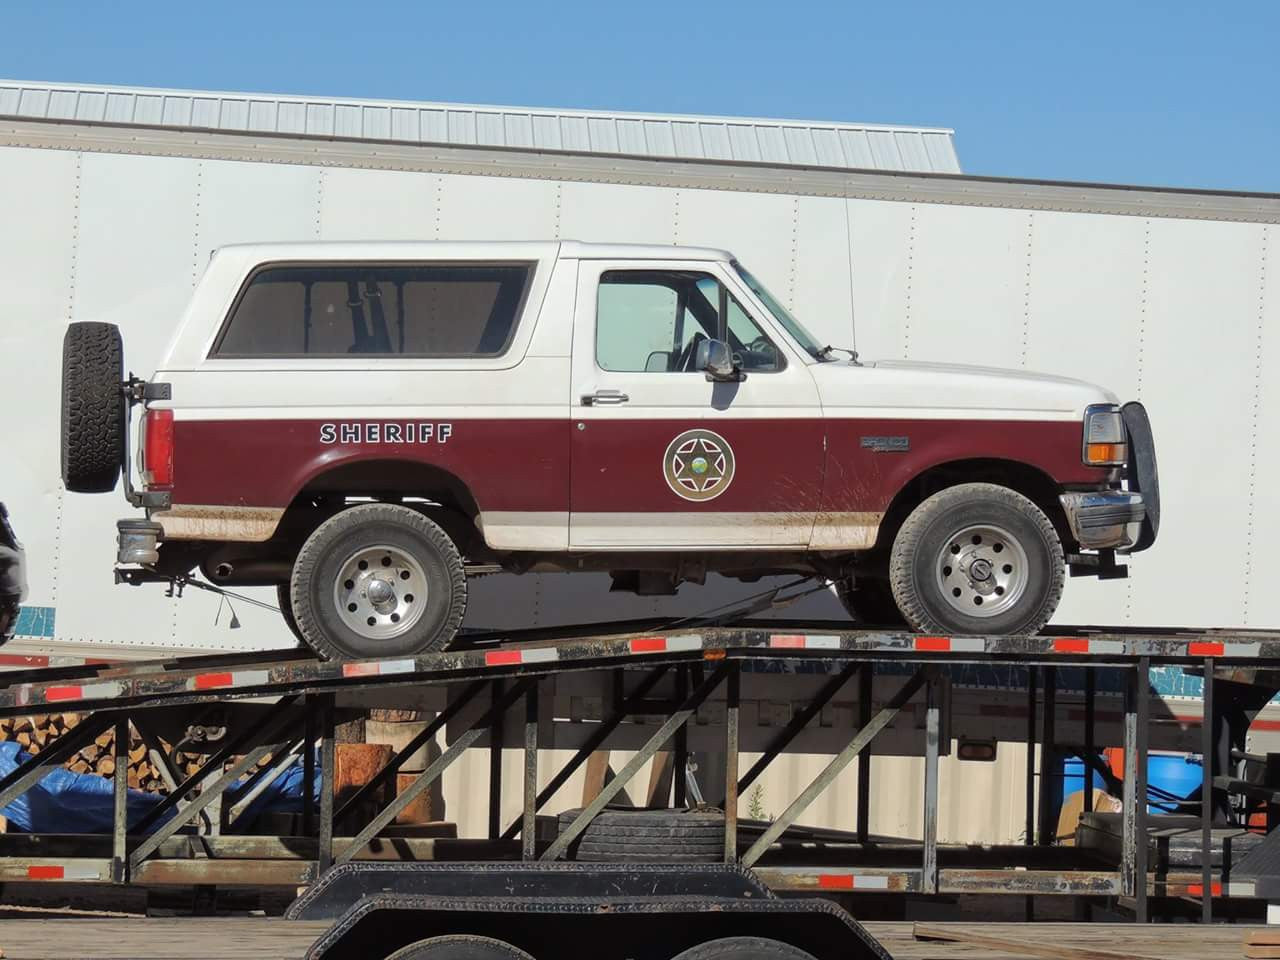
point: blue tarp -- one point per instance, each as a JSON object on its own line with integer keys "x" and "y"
{"x": 66, "y": 802}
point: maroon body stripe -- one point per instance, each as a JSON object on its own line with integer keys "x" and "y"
{"x": 612, "y": 466}
{"x": 506, "y": 464}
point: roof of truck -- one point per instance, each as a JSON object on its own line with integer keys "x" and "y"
{"x": 468, "y": 250}
{"x": 783, "y": 143}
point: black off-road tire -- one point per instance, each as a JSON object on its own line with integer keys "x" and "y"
{"x": 919, "y": 546}
{"x": 648, "y": 836}
{"x": 460, "y": 947}
{"x": 869, "y": 602}
{"x": 315, "y": 571}
{"x": 93, "y": 407}
{"x": 744, "y": 948}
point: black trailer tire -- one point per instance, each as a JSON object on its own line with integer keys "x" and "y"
{"x": 397, "y": 575}
{"x": 460, "y": 947}
{"x": 977, "y": 558}
{"x": 744, "y": 948}
{"x": 648, "y": 836}
{"x": 869, "y": 602}
{"x": 93, "y": 407}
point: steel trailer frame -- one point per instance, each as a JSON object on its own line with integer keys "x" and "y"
{"x": 299, "y": 701}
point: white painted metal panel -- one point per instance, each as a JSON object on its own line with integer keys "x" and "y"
{"x": 142, "y": 286}
{"x": 822, "y": 290}
{"x": 242, "y": 201}
{"x": 493, "y": 208}
{"x": 758, "y": 228}
{"x": 377, "y": 205}
{"x": 1262, "y": 600}
{"x": 1085, "y": 312}
{"x": 594, "y": 211}
{"x": 967, "y": 290}
{"x": 1199, "y": 338}
{"x": 37, "y": 260}
{"x": 880, "y": 251}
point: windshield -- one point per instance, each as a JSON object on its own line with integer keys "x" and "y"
{"x": 794, "y": 327}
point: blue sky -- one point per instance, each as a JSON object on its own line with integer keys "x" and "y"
{"x": 1169, "y": 93}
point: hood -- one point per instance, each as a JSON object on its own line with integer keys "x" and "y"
{"x": 910, "y": 388}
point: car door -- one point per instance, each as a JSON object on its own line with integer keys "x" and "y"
{"x": 662, "y": 457}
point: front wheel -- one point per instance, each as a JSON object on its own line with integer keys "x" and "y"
{"x": 977, "y": 559}
{"x": 378, "y": 580}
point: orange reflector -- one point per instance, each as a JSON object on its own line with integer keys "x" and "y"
{"x": 713, "y": 654}
{"x": 1106, "y": 453}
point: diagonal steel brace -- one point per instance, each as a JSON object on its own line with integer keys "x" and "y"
{"x": 838, "y": 763}
{"x": 664, "y": 733}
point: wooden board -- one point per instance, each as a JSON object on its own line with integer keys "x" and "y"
{"x": 200, "y": 938}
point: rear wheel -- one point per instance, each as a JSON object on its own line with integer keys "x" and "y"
{"x": 93, "y": 407}
{"x": 977, "y": 559}
{"x": 460, "y": 947}
{"x": 285, "y": 601}
{"x": 744, "y": 948}
{"x": 378, "y": 580}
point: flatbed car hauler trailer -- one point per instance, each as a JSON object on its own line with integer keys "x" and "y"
{"x": 676, "y": 690}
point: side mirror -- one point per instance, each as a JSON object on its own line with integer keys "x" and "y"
{"x": 716, "y": 360}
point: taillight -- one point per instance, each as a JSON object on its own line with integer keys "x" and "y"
{"x": 157, "y": 449}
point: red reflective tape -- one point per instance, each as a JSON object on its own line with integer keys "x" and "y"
{"x": 1070, "y": 645}
{"x": 62, "y": 693}
{"x": 648, "y": 644}
{"x": 1205, "y": 648}
{"x": 933, "y": 643}
{"x": 207, "y": 681}
{"x": 360, "y": 670}
{"x": 15, "y": 660}
{"x": 502, "y": 658}
{"x": 835, "y": 881}
{"x": 787, "y": 640}
{"x": 44, "y": 873}
{"x": 1197, "y": 889}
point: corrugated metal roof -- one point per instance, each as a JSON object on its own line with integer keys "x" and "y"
{"x": 780, "y": 142}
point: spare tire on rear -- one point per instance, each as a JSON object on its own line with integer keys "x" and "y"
{"x": 624, "y": 835}
{"x": 93, "y": 407}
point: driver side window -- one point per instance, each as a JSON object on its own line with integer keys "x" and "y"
{"x": 651, "y": 321}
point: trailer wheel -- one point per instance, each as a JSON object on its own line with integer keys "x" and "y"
{"x": 744, "y": 948}
{"x": 648, "y": 836}
{"x": 460, "y": 947}
{"x": 869, "y": 602}
{"x": 93, "y": 407}
{"x": 378, "y": 580}
{"x": 977, "y": 559}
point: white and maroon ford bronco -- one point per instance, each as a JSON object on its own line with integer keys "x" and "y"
{"x": 361, "y": 424}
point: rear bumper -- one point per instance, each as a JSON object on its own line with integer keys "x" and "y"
{"x": 1105, "y": 519}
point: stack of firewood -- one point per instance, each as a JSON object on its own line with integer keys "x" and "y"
{"x": 33, "y": 733}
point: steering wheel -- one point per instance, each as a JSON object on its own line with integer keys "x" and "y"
{"x": 690, "y": 352}
{"x": 763, "y": 349}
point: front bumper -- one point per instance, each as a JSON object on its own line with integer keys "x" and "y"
{"x": 1105, "y": 519}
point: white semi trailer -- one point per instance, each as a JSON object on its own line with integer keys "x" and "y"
{"x": 111, "y": 201}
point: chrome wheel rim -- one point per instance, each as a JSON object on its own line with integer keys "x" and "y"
{"x": 982, "y": 570}
{"x": 380, "y": 592}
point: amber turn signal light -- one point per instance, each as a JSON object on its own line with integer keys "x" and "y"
{"x": 1106, "y": 454}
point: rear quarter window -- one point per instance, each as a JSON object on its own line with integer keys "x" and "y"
{"x": 405, "y": 310}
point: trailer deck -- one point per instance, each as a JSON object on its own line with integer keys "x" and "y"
{"x": 683, "y": 689}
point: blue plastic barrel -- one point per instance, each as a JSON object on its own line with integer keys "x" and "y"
{"x": 1168, "y": 775}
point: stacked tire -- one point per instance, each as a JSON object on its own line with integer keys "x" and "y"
{"x": 648, "y": 836}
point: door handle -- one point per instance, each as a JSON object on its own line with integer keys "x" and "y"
{"x": 604, "y": 398}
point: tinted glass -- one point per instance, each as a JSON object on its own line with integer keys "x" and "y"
{"x": 430, "y": 310}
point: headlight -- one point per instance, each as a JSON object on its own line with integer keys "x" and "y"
{"x": 1104, "y": 436}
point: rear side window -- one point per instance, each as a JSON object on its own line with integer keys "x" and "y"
{"x": 409, "y": 310}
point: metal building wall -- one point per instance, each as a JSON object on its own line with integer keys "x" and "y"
{"x": 1176, "y": 311}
